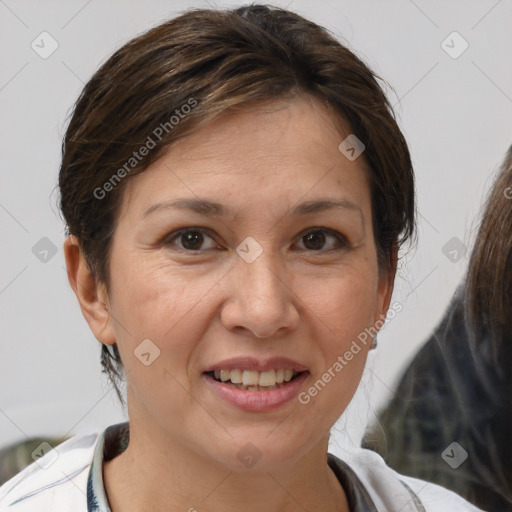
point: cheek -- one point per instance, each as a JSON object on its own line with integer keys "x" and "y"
{"x": 340, "y": 311}
{"x": 170, "y": 309}
{"x": 344, "y": 304}
{"x": 162, "y": 305}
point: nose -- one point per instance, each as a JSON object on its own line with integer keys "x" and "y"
{"x": 260, "y": 299}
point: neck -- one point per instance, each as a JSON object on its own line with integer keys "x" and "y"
{"x": 158, "y": 475}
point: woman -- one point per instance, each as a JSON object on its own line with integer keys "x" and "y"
{"x": 236, "y": 190}
{"x": 457, "y": 389}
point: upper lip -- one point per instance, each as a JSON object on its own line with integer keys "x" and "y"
{"x": 260, "y": 365}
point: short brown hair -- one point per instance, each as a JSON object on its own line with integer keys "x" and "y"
{"x": 221, "y": 59}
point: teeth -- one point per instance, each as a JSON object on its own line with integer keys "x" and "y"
{"x": 267, "y": 378}
{"x": 236, "y": 376}
{"x": 253, "y": 380}
{"x": 250, "y": 378}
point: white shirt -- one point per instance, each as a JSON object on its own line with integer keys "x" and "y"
{"x": 69, "y": 478}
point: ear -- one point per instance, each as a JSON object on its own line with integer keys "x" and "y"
{"x": 92, "y": 296}
{"x": 386, "y": 285}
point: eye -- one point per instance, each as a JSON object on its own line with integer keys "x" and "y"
{"x": 316, "y": 239}
{"x": 191, "y": 240}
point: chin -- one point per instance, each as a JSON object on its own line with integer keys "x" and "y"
{"x": 259, "y": 450}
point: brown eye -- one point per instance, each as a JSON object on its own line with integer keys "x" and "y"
{"x": 191, "y": 240}
{"x": 323, "y": 240}
{"x": 314, "y": 240}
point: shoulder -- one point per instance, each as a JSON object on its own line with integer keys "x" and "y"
{"x": 56, "y": 481}
{"x": 393, "y": 491}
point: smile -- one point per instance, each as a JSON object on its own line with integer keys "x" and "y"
{"x": 255, "y": 391}
{"x": 253, "y": 380}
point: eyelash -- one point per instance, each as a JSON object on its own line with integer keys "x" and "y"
{"x": 341, "y": 239}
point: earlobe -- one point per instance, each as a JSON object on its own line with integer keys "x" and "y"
{"x": 92, "y": 295}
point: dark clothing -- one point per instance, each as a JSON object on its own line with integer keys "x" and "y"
{"x": 453, "y": 392}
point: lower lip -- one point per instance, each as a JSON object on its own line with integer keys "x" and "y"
{"x": 257, "y": 401}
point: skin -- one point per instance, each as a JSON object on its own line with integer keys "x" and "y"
{"x": 299, "y": 300}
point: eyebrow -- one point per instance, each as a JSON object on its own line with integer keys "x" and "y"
{"x": 206, "y": 207}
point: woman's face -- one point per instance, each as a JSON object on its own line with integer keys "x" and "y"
{"x": 247, "y": 246}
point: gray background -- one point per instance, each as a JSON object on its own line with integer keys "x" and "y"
{"x": 456, "y": 114}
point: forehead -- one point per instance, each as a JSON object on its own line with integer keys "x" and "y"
{"x": 293, "y": 129}
{"x": 272, "y": 152}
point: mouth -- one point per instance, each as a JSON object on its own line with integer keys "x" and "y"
{"x": 256, "y": 384}
{"x": 256, "y": 391}
{"x": 253, "y": 380}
